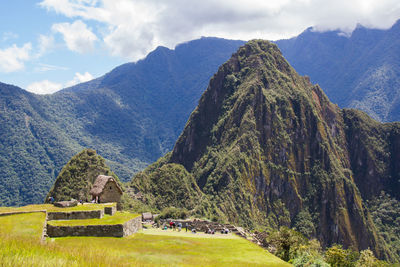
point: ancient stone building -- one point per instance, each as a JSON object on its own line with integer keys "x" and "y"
{"x": 106, "y": 189}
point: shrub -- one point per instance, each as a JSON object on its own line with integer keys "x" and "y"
{"x": 173, "y": 213}
{"x": 336, "y": 256}
{"x": 287, "y": 242}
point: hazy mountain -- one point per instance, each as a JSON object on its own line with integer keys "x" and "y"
{"x": 265, "y": 145}
{"x": 130, "y": 116}
{"x": 359, "y": 71}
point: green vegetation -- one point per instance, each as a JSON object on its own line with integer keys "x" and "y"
{"x": 298, "y": 250}
{"x": 267, "y": 149}
{"x": 173, "y": 213}
{"x": 133, "y": 205}
{"x": 130, "y": 116}
{"x": 27, "y": 225}
{"x": 52, "y": 208}
{"x": 78, "y": 176}
{"x": 117, "y": 218}
{"x": 287, "y": 242}
{"x": 170, "y": 185}
{"x": 360, "y": 71}
{"x": 385, "y": 212}
{"x": 20, "y": 246}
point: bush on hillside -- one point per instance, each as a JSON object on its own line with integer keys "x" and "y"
{"x": 173, "y": 213}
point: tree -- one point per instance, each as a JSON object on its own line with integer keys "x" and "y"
{"x": 336, "y": 256}
{"x": 287, "y": 242}
{"x": 368, "y": 259}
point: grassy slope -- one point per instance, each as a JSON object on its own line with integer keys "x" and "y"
{"x": 20, "y": 246}
{"x": 51, "y": 208}
{"x": 118, "y": 218}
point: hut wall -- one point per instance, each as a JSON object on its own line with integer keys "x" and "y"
{"x": 110, "y": 193}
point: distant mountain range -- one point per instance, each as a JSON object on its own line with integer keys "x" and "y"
{"x": 358, "y": 71}
{"x": 131, "y": 116}
{"x": 134, "y": 114}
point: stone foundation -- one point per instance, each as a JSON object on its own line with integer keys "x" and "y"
{"x": 110, "y": 210}
{"x": 116, "y": 230}
{"x": 132, "y": 226}
{"x": 76, "y": 215}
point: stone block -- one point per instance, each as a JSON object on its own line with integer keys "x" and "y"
{"x": 110, "y": 210}
{"x": 76, "y": 215}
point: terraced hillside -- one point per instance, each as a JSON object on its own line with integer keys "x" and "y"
{"x": 20, "y": 246}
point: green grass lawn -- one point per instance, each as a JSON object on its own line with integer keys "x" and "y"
{"x": 20, "y": 246}
{"x": 52, "y": 208}
{"x": 117, "y": 218}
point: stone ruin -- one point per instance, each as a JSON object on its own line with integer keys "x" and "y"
{"x": 114, "y": 230}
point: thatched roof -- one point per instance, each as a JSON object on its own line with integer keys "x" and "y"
{"x": 100, "y": 182}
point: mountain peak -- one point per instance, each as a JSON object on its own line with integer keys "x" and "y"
{"x": 256, "y": 68}
{"x": 264, "y": 140}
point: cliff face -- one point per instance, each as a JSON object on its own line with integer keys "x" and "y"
{"x": 264, "y": 144}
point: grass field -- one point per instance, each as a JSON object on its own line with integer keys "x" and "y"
{"x": 20, "y": 246}
{"x": 52, "y": 208}
{"x": 117, "y": 218}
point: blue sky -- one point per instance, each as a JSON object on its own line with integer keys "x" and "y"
{"x": 47, "y": 45}
{"x": 25, "y": 23}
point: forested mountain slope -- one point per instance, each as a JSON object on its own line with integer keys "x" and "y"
{"x": 130, "y": 116}
{"x": 265, "y": 145}
{"x": 358, "y": 71}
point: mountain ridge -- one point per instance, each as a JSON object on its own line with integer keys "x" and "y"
{"x": 265, "y": 144}
{"x": 356, "y": 71}
{"x": 130, "y": 116}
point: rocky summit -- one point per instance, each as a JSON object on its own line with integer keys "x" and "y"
{"x": 266, "y": 147}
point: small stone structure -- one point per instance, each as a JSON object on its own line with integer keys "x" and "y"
{"x": 106, "y": 189}
{"x": 66, "y": 204}
{"x": 110, "y": 210}
{"x": 203, "y": 226}
{"x": 147, "y": 217}
{"x": 117, "y": 230}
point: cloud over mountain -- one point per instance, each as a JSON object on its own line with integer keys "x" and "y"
{"x": 132, "y": 28}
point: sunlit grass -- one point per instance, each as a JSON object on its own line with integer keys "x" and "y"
{"x": 20, "y": 246}
{"x": 117, "y": 218}
{"x": 52, "y": 208}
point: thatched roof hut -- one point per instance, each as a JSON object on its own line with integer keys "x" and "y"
{"x": 106, "y": 189}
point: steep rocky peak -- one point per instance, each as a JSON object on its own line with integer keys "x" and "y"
{"x": 256, "y": 78}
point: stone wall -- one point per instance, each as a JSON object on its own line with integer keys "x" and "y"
{"x": 76, "y": 215}
{"x": 116, "y": 230}
{"x": 110, "y": 193}
{"x": 110, "y": 210}
{"x": 132, "y": 226}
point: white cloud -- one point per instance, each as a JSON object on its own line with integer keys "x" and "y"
{"x": 45, "y": 44}
{"x": 79, "y": 78}
{"x": 77, "y": 36}
{"x": 44, "y": 87}
{"x": 13, "y": 58}
{"x": 48, "y": 87}
{"x": 132, "y": 28}
{"x": 41, "y": 67}
{"x": 8, "y": 36}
